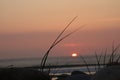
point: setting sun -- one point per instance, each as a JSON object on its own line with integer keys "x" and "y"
{"x": 74, "y": 54}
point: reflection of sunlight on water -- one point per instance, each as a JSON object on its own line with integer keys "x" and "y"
{"x": 71, "y": 69}
{"x": 54, "y": 78}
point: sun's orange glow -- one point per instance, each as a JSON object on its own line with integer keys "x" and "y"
{"x": 74, "y": 55}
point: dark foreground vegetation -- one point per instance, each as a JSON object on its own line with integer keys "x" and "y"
{"x": 109, "y": 72}
{"x": 33, "y": 74}
{"x": 22, "y": 74}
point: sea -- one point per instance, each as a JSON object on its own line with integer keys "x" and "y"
{"x": 29, "y": 62}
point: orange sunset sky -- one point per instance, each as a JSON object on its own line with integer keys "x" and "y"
{"x": 28, "y": 27}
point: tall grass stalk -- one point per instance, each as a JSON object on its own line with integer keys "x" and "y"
{"x": 100, "y": 57}
{"x": 117, "y": 60}
{"x": 98, "y": 61}
{"x": 56, "y": 41}
{"x": 104, "y": 58}
{"x": 112, "y": 56}
{"x": 85, "y": 64}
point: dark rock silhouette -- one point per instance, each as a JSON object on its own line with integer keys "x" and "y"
{"x": 78, "y": 75}
{"x": 22, "y": 74}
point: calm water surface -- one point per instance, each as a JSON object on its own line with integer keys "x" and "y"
{"x": 52, "y": 61}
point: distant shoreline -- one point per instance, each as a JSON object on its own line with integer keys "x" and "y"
{"x": 66, "y": 66}
{"x": 58, "y": 66}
